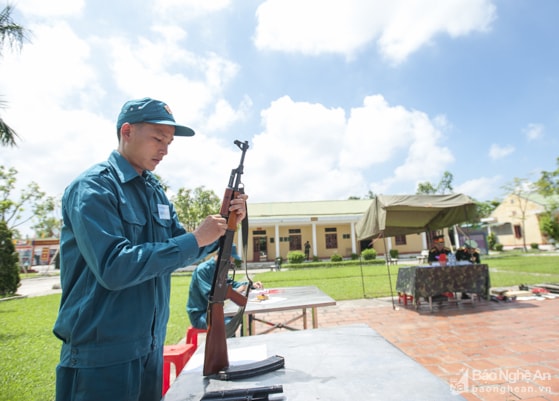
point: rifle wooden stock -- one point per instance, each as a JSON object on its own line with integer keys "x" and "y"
{"x": 215, "y": 356}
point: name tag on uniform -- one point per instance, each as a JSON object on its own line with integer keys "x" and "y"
{"x": 164, "y": 212}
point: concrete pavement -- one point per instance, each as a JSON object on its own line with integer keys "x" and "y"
{"x": 45, "y": 283}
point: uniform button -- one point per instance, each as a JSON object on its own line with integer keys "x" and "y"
{"x": 73, "y": 362}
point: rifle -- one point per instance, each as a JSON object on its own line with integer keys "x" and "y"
{"x": 216, "y": 360}
{"x": 215, "y": 357}
{"x": 245, "y": 394}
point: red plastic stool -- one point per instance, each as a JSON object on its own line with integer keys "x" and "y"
{"x": 179, "y": 355}
{"x": 192, "y": 335}
{"x": 405, "y": 297}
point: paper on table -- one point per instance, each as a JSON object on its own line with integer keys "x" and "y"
{"x": 236, "y": 356}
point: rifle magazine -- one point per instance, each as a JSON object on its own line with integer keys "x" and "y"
{"x": 252, "y": 369}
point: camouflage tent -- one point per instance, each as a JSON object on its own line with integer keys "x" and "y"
{"x": 391, "y": 215}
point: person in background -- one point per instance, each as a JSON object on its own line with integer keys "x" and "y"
{"x": 438, "y": 249}
{"x": 307, "y": 250}
{"x": 201, "y": 286}
{"x": 469, "y": 252}
{"x": 120, "y": 241}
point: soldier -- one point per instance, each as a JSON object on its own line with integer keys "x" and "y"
{"x": 438, "y": 249}
{"x": 469, "y": 252}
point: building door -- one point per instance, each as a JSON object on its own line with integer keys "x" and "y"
{"x": 260, "y": 247}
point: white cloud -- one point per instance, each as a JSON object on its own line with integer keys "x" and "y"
{"x": 481, "y": 189}
{"x": 379, "y": 133}
{"x": 314, "y": 152}
{"x": 413, "y": 24}
{"x": 534, "y": 131}
{"x": 296, "y": 155}
{"x": 191, "y": 84}
{"x": 189, "y": 8}
{"x": 498, "y": 152}
{"x": 51, "y": 8}
{"x": 399, "y": 27}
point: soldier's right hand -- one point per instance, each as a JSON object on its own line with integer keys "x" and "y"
{"x": 212, "y": 228}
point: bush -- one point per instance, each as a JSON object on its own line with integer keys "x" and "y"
{"x": 295, "y": 257}
{"x": 491, "y": 240}
{"x": 369, "y": 254}
{"x": 335, "y": 258}
{"x": 9, "y": 269}
{"x": 394, "y": 253}
{"x": 533, "y": 245}
{"x": 498, "y": 247}
{"x": 354, "y": 256}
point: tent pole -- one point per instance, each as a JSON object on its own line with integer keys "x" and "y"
{"x": 388, "y": 270}
{"x": 362, "y": 278}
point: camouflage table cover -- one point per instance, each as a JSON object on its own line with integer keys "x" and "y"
{"x": 425, "y": 281}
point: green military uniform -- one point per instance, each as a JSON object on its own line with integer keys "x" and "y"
{"x": 469, "y": 252}
{"x": 435, "y": 252}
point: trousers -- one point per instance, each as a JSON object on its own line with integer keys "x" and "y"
{"x": 138, "y": 380}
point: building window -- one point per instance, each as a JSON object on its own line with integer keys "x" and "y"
{"x": 400, "y": 239}
{"x": 295, "y": 242}
{"x": 331, "y": 241}
{"x": 517, "y": 231}
{"x": 331, "y": 238}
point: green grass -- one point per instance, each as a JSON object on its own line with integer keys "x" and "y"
{"x": 30, "y": 351}
{"x": 28, "y": 348}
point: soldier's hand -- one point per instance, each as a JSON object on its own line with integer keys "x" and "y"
{"x": 210, "y": 230}
{"x": 238, "y": 206}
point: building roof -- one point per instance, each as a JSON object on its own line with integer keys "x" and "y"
{"x": 307, "y": 211}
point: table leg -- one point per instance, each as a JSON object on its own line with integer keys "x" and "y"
{"x": 252, "y": 327}
{"x": 245, "y": 327}
{"x": 305, "y": 318}
{"x": 314, "y": 318}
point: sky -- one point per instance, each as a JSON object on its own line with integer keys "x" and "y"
{"x": 336, "y": 98}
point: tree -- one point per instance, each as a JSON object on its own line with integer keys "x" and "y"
{"x": 549, "y": 225}
{"x": 548, "y": 184}
{"x": 9, "y": 269}
{"x": 31, "y": 198}
{"x": 370, "y": 195}
{"x": 192, "y": 206}
{"x": 13, "y": 35}
{"x": 484, "y": 209}
{"x": 47, "y": 223}
{"x": 427, "y": 188}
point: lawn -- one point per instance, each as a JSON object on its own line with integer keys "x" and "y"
{"x": 30, "y": 351}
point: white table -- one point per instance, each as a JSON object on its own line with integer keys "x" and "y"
{"x": 336, "y": 363}
{"x": 278, "y": 300}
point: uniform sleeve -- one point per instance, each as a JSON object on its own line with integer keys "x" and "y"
{"x": 103, "y": 232}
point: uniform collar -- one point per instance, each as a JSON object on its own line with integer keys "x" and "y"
{"x": 123, "y": 168}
